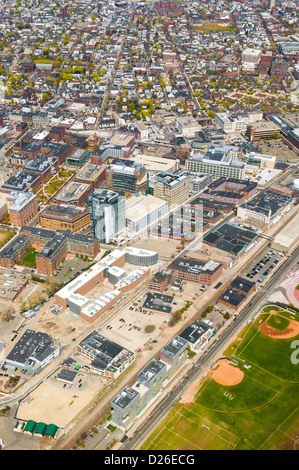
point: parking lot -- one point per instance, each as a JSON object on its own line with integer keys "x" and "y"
{"x": 278, "y": 148}
{"x": 134, "y": 328}
{"x": 266, "y": 263}
{"x": 70, "y": 268}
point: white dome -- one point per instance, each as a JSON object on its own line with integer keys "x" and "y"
{"x": 296, "y": 183}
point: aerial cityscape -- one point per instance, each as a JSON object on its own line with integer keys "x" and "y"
{"x": 149, "y": 227}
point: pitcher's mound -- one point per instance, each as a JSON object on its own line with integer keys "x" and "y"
{"x": 226, "y": 373}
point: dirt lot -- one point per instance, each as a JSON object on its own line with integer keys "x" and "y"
{"x": 165, "y": 248}
{"x": 52, "y": 403}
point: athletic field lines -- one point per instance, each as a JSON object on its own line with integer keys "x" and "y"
{"x": 201, "y": 389}
{"x": 289, "y": 424}
{"x": 282, "y": 379}
{"x": 246, "y": 344}
{"x": 243, "y": 338}
{"x": 187, "y": 430}
{"x": 231, "y": 438}
{"x": 281, "y": 435}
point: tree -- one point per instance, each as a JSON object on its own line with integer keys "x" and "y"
{"x": 8, "y": 314}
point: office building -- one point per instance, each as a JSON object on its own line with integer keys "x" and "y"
{"x": 216, "y": 162}
{"x": 126, "y": 175}
{"x": 142, "y": 211}
{"x": 173, "y": 188}
{"x": 196, "y": 271}
{"x": 107, "y": 210}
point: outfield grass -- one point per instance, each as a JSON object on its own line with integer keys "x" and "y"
{"x": 261, "y": 412}
{"x": 271, "y": 355}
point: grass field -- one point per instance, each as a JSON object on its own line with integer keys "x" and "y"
{"x": 29, "y": 258}
{"x": 5, "y": 236}
{"x": 261, "y": 412}
{"x": 208, "y": 28}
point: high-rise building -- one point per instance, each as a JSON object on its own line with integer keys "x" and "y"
{"x": 173, "y": 188}
{"x": 107, "y": 213}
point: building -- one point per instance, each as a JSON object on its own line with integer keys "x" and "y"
{"x": 78, "y": 158}
{"x": 64, "y": 217}
{"x": 260, "y": 160}
{"x": 261, "y": 130}
{"x": 132, "y": 401}
{"x": 107, "y": 210}
{"x": 22, "y": 208}
{"x": 266, "y": 207}
{"x": 106, "y": 357}
{"x": 126, "y": 175}
{"x": 140, "y": 257}
{"x": 54, "y": 246}
{"x": 73, "y": 193}
{"x": 142, "y": 211}
{"x": 196, "y": 271}
{"x": 33, "y": 351}
{"x": 197, "y": 334}
{"x": 187, "y": 126}
{"x": 14, "y": 251}
{"x": 107, "y": 150}
{"x": 199, "y": 182}
{"x": 233, "y": 239}
{"x": 153, "y": 164}
{"x": 11, "y": 285}
{"x": 73, "y": 294}
{"x": 64, "y": 242}
{"x": 42, "y": 166}
{"x": 216, "y": 162}
{"x": 231, "y": 190}
{"x": 251, "y": 58}
{"x": 209, "y": 137}
{"x": 132, "y": 279}
{"x": 122, "y": 139}
{"x": 233, "y": 122}
{"x": 173, "y": 188}
{"x": 231, "y": 298}
{"x": 160, "y": 281}
{"x": 91, "y": 174}
{"x": 21, "y": 181}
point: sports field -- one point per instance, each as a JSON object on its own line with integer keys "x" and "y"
{"x": 255, "y": 408}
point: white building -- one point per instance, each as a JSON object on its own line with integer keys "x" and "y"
{"x": 142, "y": 211}
{"x": 236, "y": 122}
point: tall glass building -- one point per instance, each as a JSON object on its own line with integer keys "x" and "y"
{"x": 107, "y": 210}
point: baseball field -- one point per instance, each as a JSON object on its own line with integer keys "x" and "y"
{"x": 248, "y": 399}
